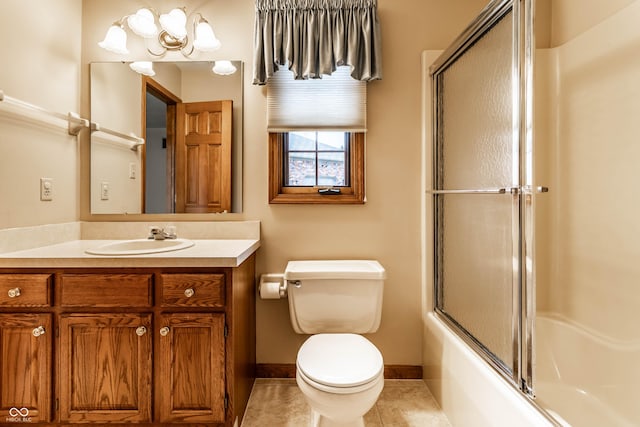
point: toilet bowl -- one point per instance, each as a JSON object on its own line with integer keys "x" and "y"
{"x": 341, "y": 376}
{"x": 340, "y": 372}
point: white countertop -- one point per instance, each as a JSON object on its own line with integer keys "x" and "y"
{"x": 205, "y": 253}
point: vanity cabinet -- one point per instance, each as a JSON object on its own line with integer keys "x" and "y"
{"x": 105, "y": 367}
{"x": 25, "y": 367}
{"x": 105, "y": 357}
{"x": 150, "y": 346}
{"x": 25, "y": 348}
{"x": 191, "y": 371}
{"x": 191, "y": 349}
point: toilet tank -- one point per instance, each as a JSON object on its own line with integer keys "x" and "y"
{"x": 342, "y": 296}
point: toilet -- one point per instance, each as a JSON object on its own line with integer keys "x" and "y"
{"x": 340, "y": 372}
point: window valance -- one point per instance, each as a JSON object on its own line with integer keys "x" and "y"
{"x": 314, "y": 37}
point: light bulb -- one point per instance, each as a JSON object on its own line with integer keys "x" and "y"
{"x": 143, "y": 23}
{"x": 143, "y": 67}
{"x": 205, "y": 40}
{"x": 224, "y": 68}
{"x": 175, "y": 23}
{"x": 115, "y": 40}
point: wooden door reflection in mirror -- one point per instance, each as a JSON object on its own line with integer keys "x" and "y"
{"x": 203, "y": 157}
{"x": 187, "y": 158}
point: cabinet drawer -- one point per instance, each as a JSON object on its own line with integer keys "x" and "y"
{"x": 25, "y": 290}
{"x": 105, "y": 290}
{"x": 193, "y": 290}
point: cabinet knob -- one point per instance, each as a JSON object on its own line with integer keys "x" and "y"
{"x": 189, "y": 292}
{"x": 13, "y": 293}
{"x": 141, "y": 330}
{"x": 164, "y": 331}
{"x": 38, "y": 331}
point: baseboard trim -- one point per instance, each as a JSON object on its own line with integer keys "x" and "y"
{"x": 288, "y": 370}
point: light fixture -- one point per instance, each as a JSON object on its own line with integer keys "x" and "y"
{"x": 206, "y": 40}
{"x": 116, "y": 40}
{"x": 224, "y": 68}
{"x": 143, "y": 67}
{"x": 171, "y": 36}
{"x": 143, "y": 23}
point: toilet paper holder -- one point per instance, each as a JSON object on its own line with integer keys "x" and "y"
{"x": 272, "y": 286}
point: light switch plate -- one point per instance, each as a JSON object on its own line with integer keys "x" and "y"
{"x": 104, "y": 190}
{"x": 46, "y": 189}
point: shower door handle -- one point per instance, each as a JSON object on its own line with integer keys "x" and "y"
{"x": 506, "y": 190}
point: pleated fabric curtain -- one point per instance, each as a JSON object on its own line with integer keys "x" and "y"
{"x": 313, "y": 37}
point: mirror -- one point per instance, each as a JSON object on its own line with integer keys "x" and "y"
{"x": 178, "y": 169}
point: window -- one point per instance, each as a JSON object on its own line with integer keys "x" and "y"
{"x": 316, "y": 138}
{"x": 316, "y": 167}
{"x": 313, "y": 159}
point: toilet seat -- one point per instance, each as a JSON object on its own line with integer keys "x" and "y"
{"x": 340, "y": 363}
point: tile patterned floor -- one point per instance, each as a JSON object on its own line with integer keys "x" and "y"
{"x": 402, "y": 403}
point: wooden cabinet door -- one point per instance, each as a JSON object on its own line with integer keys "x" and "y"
{"x": 105, "y": 368}
{"x": 190, "y": 380}
{"x": 25, "y": 368}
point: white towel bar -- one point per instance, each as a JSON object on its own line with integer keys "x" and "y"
{"x": 72, "y": 122}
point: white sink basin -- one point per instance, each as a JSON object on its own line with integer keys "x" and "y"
{"x": 140, "y": 246}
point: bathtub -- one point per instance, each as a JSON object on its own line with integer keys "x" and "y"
{"x": 469, "y": 391}
{"x": 585, "y": 379}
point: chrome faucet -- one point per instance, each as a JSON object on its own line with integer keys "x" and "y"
{"x": 159, "y": 233}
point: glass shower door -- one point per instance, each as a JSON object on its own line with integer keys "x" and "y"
{"x": 482, "y": 194}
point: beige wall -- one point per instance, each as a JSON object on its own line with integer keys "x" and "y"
{"x": 386, "y": 228}
{"x": 118, "y": 89}
{"x": 41, "y": 65}
{"x": 558, "y": 21}
{"x": 573, "y": 17}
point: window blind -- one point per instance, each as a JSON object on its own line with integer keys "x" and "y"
{"x": 335, "y": 102}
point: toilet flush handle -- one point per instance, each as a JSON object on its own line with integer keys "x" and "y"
{"x": 295, "y": 283}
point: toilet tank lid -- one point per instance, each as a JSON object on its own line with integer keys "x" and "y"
{"x": 334, "y": 269}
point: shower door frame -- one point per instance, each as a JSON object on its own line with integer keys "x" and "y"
{"x": 521, "y": 373}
